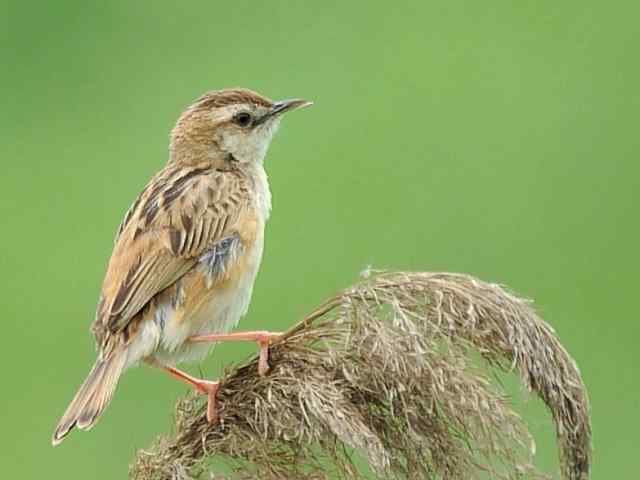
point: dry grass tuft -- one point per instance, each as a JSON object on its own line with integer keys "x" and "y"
{"x": 387, "y": 368}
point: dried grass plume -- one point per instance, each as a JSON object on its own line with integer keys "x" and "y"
{"x": 391, "y": 368}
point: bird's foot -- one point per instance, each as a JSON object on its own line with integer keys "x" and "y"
{"x": 262, "y": 337}
{"x": 210, "y": 389}
{"x": 205, "y": 387}
{"x": 212, "y": 403}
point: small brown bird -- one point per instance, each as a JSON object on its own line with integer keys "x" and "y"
{"x": 187, "y": 252}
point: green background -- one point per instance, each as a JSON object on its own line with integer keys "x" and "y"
{"x": 498, "y": 138}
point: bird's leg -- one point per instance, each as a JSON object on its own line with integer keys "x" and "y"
{"x": 205, "y": 387}
{"x": 263, "y": 338}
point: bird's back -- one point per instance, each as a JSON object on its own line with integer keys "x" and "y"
{"x": 188, "y": 237}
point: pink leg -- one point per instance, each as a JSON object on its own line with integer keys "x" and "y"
{"x": 203, "y": 386}
{"x": 262, "y": 337}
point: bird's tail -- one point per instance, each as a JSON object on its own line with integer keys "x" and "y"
{"x": 92, "y": 397}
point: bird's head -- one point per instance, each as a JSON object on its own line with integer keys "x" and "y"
{"x": 228, "y": 127}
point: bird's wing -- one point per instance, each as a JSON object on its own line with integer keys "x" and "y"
{"x": 181, "y": 213}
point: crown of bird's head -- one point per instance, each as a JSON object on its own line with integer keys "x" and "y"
{"x": 228, "y": 126}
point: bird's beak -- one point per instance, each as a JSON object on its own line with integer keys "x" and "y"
{"x": 278, "y": 108}
{"x": 288, "y": 105}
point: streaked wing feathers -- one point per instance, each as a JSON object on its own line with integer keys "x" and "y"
{"x": 182, "y": 212}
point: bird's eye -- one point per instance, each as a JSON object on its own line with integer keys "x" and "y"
{"x": 242, "y": 119}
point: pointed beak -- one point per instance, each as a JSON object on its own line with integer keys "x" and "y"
{"x": 288, "y": 105}
{"x": 278, "y": 108}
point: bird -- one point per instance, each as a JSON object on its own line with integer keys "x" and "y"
{"x": 187, "y": 252}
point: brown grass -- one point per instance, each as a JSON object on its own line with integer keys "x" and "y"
{"x": 387, "y": 368}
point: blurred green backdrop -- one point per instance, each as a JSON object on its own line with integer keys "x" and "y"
{"x": 497, "y": 138}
